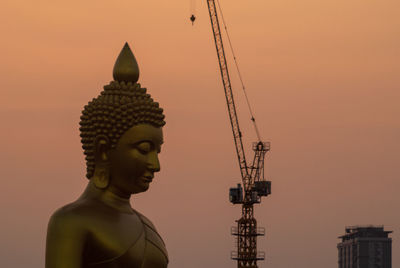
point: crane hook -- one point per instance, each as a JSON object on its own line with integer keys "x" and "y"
{"x": 192, "y": 18}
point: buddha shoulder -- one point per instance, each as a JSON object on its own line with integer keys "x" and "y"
{"x": 71, "y": 216}
{"x": 67, "y": 229}
{"x": 86, "y": 212}
{"x": 101, "y": 221}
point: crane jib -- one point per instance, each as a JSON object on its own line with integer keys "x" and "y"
{"x": 228, "y": 89}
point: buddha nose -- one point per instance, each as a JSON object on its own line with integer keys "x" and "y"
{"x": 153, "y": 162}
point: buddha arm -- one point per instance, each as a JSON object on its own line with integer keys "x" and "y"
{"x": 65, "y": 241}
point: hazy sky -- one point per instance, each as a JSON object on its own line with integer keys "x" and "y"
{"x": 323, "y": 78}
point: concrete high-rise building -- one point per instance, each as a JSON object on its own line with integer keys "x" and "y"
{"x": 365, "y": 247}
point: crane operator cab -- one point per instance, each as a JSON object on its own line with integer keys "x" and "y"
{"x": 192, "y": 18}
{"x": 236, "y": 194}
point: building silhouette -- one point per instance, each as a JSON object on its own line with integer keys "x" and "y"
{"x": 365, "y": 247}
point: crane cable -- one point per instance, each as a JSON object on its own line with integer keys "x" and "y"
{"x": 240, "y": 76}
{"x": 193, "y": 7}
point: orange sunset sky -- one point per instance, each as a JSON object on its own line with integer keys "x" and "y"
{"x": 323, "y": 78}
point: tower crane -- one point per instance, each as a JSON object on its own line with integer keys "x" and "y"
{"x": 254, "y": 184}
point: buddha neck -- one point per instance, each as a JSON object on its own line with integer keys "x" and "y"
{"x": 108, "y": 197}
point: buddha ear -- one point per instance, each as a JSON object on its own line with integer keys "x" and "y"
{"x": 101, "y": 177}
{"x": 102, "y": 147}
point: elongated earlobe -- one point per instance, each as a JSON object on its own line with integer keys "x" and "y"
{"x": 101, "y": 177}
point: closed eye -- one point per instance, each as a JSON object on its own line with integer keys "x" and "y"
{"x": 144, "y": 147}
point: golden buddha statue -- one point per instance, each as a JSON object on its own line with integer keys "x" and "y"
{"x": 121, "y": 133}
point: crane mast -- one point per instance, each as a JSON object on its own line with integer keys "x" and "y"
{"x": 254, "y": 185}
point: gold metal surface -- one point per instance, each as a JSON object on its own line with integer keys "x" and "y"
{"x": 122, "y": 135}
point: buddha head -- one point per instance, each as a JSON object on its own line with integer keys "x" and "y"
{"x": 121, "y": 132}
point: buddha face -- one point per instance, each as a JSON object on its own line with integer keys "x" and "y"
{"x": 134, "y": 160}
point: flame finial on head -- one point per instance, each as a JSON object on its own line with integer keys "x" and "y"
{"x": 126, "y": 68}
